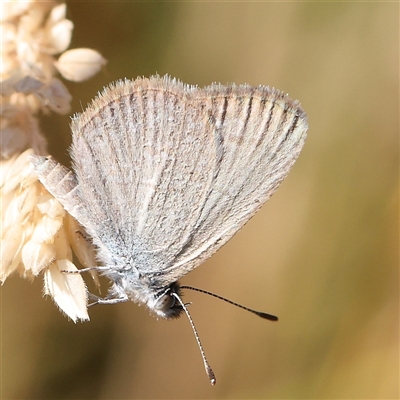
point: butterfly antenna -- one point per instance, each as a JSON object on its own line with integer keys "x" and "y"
{"x": 264, "y": 315}
{"x": 207, "y": 367}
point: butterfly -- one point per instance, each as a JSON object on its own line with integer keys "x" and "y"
{"x": 165, "y": 173}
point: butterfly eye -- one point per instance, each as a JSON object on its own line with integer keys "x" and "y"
{"x": 165, "y": 302}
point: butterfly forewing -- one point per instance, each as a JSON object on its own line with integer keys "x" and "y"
{"x": 259, "y": 134}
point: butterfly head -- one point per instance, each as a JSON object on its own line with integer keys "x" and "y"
{"x": 165, "y": 304}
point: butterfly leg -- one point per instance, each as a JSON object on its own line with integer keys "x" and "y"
{"x": 79, "y": 271}
{"x": 99, "y": 300}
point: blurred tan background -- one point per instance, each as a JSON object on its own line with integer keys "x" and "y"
{"x": 322, "y": 254}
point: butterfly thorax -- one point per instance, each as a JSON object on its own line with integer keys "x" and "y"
{"x": 160, "y": 300}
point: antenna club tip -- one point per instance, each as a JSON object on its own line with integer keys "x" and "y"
{"x": 268, "y": 316}
{"x": 211, "y": 375}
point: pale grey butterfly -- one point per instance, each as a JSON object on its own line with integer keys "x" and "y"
{"x": 165, "y": 173}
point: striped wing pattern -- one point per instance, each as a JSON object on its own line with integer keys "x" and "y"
{"x": 168, "y": 173}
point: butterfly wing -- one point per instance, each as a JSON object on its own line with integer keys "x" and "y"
{"x": 144, "y": 156}
{"x": 169, "y": 172}
{"x": 259, "y": 133}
